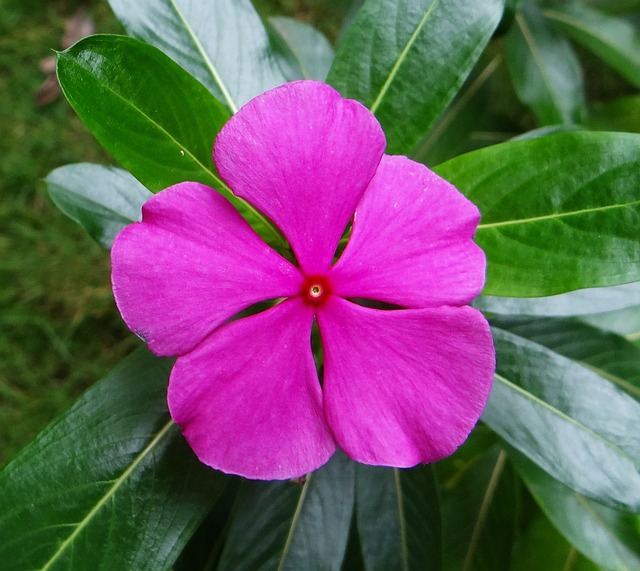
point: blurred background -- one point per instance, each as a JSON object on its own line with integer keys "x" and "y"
{"x": 59, "y": 329}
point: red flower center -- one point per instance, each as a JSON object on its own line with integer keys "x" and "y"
{"x": 316, "y": 289}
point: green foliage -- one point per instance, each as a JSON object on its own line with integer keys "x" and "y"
{"x": 111, "y": 483}
{"x": 126, "y": 490}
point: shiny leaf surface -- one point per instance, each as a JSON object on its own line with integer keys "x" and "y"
{"x": 559, "y": 213}
{"x": 564, "y": 417}
{"x": 223, "y": 44}
{"x": 110, "y": 484}
{"x": 292, "y": 525}
{"x": 398, "y": 518}
{"x": 150, "y": 114}
{"x": 615, "y": 40}
{"x": 545, "y": 71}
{"x": 607, "y": 536}
{"x": 408, "y": 72}
{"x": 608, "y": 354}
{"x": 311, "y": 49}
{"x": 102, "y": 199}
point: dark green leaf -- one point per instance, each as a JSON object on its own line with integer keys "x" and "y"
{"x": 614, "y": 40}
{"x": 110, "y": 484}
{"x": 407, "y": 59}
{"x": 541, "y": 547}
{"x": 398, "y": 518}
{"x": 565, "y": 418}
{"x": 559, "y": 213}
{"x": 479, "y": 498}
{"x": 581, "y": 302}
{"x": 102, "y": 199}
{"x": 222, "y": 43}
{"x": 150, "y": 114}
{"x": 621, "y": 114}
{"x": 607, "y": 536}
{"x": 624, "y": 322}
{"x": 546, "y": 73}
{"x": 608, "y": 354}
{"x": 309, "y": 46}
{"x": 293, "y": 525}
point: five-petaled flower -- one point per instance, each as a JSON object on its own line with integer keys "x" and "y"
{"x": 399, "y": 386}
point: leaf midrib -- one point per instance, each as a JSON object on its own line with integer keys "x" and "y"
{"x": 528, "y": 37}
{"x": 401, "y": 58}
{"x": 212, "y": 68}
{"x": 556, "y": 216}
{"x": 562, "y": 415}
{"x": 110, "y": 492}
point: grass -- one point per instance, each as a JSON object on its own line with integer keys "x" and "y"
{"x": 59, "y": 329}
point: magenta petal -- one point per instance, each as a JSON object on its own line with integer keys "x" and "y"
{"x": 302, "y": 155}
{"x": 191, "y": 264}
{"x": 412, "y": 241}
{"x": 406, "y": 386}
{"x": 248, "y": 399}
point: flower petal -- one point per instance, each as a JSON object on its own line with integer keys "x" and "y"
{"x": 406, "y": 386}
{"x": 412, "y": 241}
{"x": 248, "y": 399}
{"x": 191, "y": 264}
{"x": 303, "y": 155}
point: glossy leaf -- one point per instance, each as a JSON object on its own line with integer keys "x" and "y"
{"x": 479, "y": 496}
{"x": 110, "y": 484}
{"x": 545, "y": 71}
{"x": 607, "y": 536}
{"x": 541, "y": 547}
{"x": 624, "y": 322}
{"x": 406, "y": 60}
{"x": 398, "y": 518}
{"x": 223, "y": 44}
{"x": 292, "y": 525}
{"x": 580, "y": 302}
{"x": 565, "y": 417}
{"x": 615, "y": 40}
{"x": 102, "y": 199}
{"x": 559, "y": 213}
{"x": 608, "y": 354}
{"x": 310, "y": 47}
{"x": 150, "y": 114}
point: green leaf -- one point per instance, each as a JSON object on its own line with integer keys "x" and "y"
{"x": 223, "y": 44}
{"x": 479, "y": 496}
{"x": 625, "y": 322}
{"x": 581, "y": 302}
{"x": 111, "y": 484}
{"x": 309, "y": 46}
{"x": 102, "y": 199}
{"x": 150, "y": 114}
{"x": 292, "y": 525}
{"x": 398, "y": 518}
{"x": 559, "y": 213}
{"x": 622, "y": 114}
{"x": 614, "y": 40}
{"x": 607, "y": 536}
{"x": 407, "y": 59}
{"x": 608, "y": 354}
{"x": 565, "y": 418}
{"x": 545, "y": 71}
{"x": 541, "y": 547}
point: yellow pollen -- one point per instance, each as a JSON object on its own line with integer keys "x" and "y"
{"x": 315, "y": 291}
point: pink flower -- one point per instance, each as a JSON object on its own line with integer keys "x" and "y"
{"x": 400, "y": 386}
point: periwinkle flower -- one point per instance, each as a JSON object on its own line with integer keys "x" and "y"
{"x": 399, "y": 386}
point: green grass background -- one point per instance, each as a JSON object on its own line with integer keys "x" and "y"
{"x": 59, "y": 329}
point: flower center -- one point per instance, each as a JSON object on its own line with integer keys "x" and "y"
{"x": 315, "y": 289}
